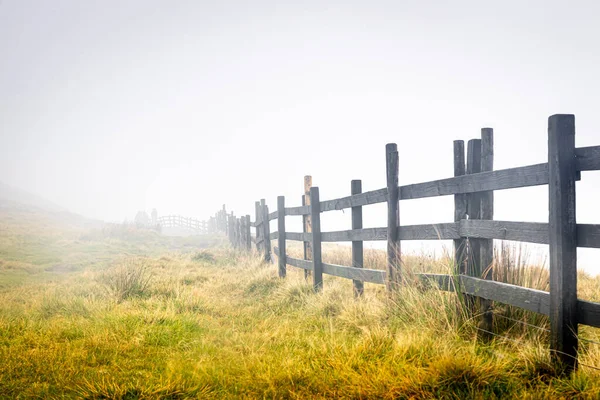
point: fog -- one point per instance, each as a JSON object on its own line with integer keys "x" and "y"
{"x": 110, "y": 107}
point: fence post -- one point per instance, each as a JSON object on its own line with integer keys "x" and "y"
{"x": 393, "y": 220}
{"x": 238, "y": 232}
{"x": 315, "y": 215}
{"x": 487, "y": 212}
{"x": 357, "y": 245}
{"x": 306, "y": 222}
{"x": 234, "y": 232}
{"x": 242, "y": 232}
{"x": 474, "y": 206}
{"x": 563, "y": 240}
{"x": 281, "y": 235}
{"x": 474, "y": 212}
{"x": 230, "y": 229}
{"x": 266, "y": 230}
{"x": 460, "y": 207}
{"x": 248, "y": 234}
{"x": 258, "y": 228}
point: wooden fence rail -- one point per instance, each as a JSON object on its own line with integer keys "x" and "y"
{"x": 173, "y": 221}
{"x": 473, "y": 231}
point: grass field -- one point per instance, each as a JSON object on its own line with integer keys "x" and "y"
{"x": 121, "y": 314}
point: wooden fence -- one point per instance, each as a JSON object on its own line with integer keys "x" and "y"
{"x": 473, "y": 231}
{"x": 178, "y": 221}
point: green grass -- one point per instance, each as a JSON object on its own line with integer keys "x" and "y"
{"x": 213, "y": 323}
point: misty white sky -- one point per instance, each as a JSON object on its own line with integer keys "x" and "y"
{"x": 109, "y": 107}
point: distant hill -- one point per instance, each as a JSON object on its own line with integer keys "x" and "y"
{"x": 15, "y": 201}
{"x": 12, "y": 196}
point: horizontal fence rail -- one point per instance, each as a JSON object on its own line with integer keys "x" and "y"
{"x": 175, "y": 221}
{"x": 587, "y": 158}
{"x": 473, "y": 231}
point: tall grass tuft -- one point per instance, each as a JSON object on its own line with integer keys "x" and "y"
{"x": 130, "y": 278}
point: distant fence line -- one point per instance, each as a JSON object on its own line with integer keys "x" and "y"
{"x": 472, "y": 232}
{"x": 178, "y": 221}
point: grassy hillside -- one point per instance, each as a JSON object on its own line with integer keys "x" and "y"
{"x": 135, "y": 315}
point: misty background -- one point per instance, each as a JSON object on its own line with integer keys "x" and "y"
{"x": 110, "y": 107}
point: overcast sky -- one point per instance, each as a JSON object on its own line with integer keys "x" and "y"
{"x": 110, "y": 107}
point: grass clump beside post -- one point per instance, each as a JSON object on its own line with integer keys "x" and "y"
{"x": 130, "y": 278}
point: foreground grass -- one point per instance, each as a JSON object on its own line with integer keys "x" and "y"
{"x": 218, "y": 324}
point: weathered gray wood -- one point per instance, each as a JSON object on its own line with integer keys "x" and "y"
{"x": 273, "y": 215}
{"x": 274, "y": 235}
{"x": 531, "y": 232}
{"x": 258, "y": 219}
{"x": 296, "y": 262}
{"x": 281, "y": 235}
{"x": 242, "y": 232}
{"x": 266, "y": 230}
{"x": 487, "y": 199}
{"x": 588, "y": 236}
{"x": 487, "y": 213}
{"x": 460, "y": 206}
{"x": 362, "y": 199}
{"x": 253, "y": 224}
{"x": 528, "y": 299}
{"x": 444, "y": 231}
{"x": 587, "y": 158}
{"x": 588, "y": 313}
{"x": 357, "y": 245}
{"x": 315, "y": 217}
{"x": 238, "y": 232}
{"x": 299, "y": 236}
{"x": 355, "y": 235}
{"x": 532, "y": 175}
{"x": 393, "y": 218}
{"x": 230, "y": 230}
{"x": 303, "y": 210}
{"x": 474, "y": 208}
{"x": 248, "y": 234}
{"x": 361, "y": 274}
{"x": 563, "y": 240}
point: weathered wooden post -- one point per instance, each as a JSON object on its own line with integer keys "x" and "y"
{"x": 393, "y": 220}
{"x": 487, "y": 212}
{"x": 230, "y": 228}
{"x": 266, "y": 230}
{"x": 248, "y": 234}
{"x": 563, "y": 240}
{"x": 241, "y": 231}
{"x": 281, "y": 260}
{"x": 474, "y": 212}
{"x": 306, "y": 222}
{"x": 258, "y": 227}
{"x": 460, "y": 207}
{"x": 315, "y": 215}
{"x": 474, "y": 207}
{"x": 357, "y": 245}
